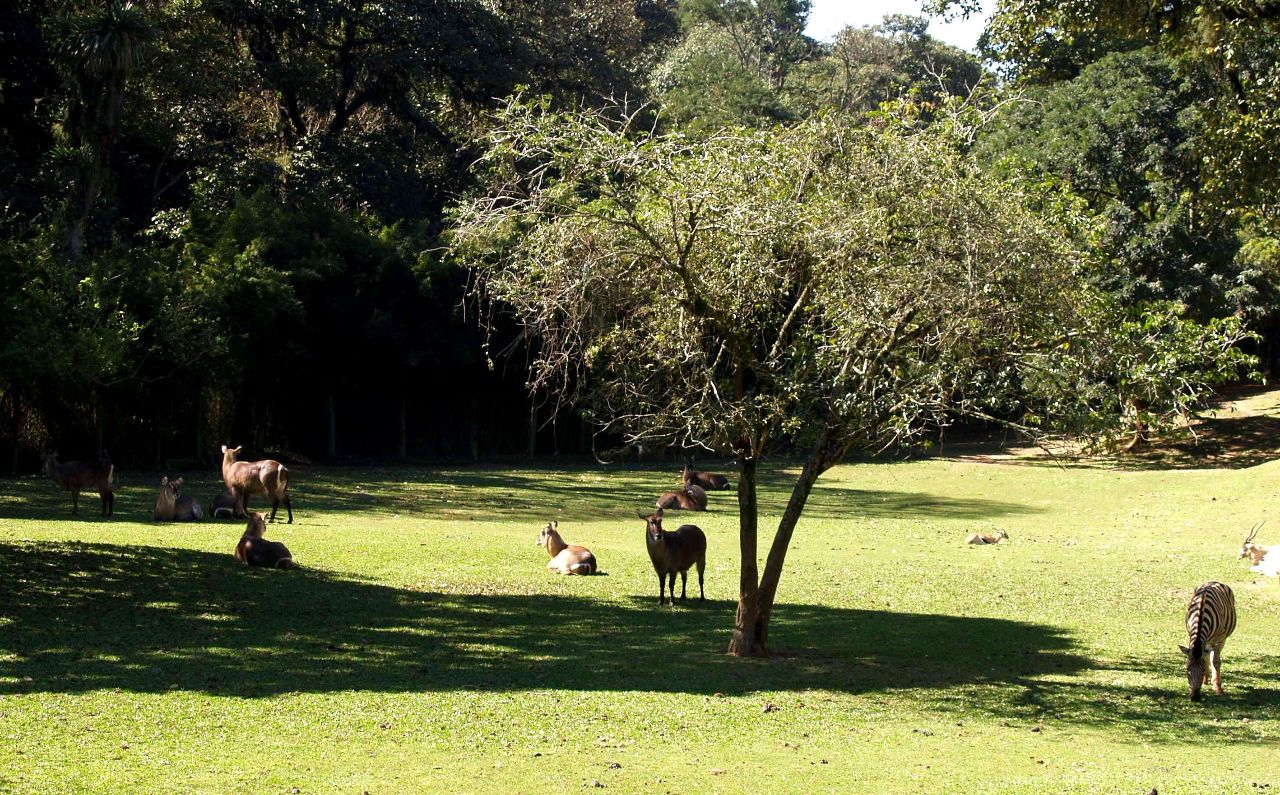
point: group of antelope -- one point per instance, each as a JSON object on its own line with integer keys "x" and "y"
{"x": 243, "y": 479}
{"x": 672, "y": 552}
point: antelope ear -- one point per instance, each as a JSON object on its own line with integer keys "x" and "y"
{"x": 658, "y": 513}
{"x": 224, "y": 448}
{"x": 164, "y": 481}
{"x": 555, "y": 525}
{"x": 178, "y": 482}
{"x": 237, "y": 449}
{"x": 642, "y": 515}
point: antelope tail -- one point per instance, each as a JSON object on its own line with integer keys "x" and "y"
{"x": 111, "y": 476}
{"x": 284, "y": 478}
{"x": 582, "y": 568}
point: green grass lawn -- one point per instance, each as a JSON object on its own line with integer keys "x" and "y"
{"x": 423, "y": 646}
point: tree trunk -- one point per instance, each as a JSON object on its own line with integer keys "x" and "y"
{"x": 15, "y": 430}
{"x": 781, "y": 542}
{"x": 756, "y": 594}
{"x": 332, "y": 451}
{"x": 745, "y": 642}
{"x": 532, "y": 446}
{"x": 403, "y": 448}
{"x": 475, "y": 428}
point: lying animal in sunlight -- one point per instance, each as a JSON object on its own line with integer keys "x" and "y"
{"x": 692, "y": 498}
{"x": 174, "y": 506}
{"x": 566, "y": 558}
{"x": 999, "y": 537}
{"x": 1261, "y": 559}
{"x": 254, "y": 550}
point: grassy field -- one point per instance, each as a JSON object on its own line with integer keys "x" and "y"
{"x": 424, "y": 647}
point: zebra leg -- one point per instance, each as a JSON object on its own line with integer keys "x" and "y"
{"x": 1216, "y": 656}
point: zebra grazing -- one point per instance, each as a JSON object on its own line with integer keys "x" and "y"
{"x": 1211, "y": 618}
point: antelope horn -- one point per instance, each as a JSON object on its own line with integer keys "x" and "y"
{"x": 1254, "y": 532}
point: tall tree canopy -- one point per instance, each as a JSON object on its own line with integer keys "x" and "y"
{"x": 824, "y": 285}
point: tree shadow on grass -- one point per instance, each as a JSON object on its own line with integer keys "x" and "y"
{"x": 589, "y": 494}
{"x": 81, "y": 617}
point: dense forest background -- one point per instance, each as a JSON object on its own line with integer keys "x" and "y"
{"x": 225, "y": 220}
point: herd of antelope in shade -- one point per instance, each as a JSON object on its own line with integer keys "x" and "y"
{"x": 243, "y": 480}
{"x": 1210, "y": 617}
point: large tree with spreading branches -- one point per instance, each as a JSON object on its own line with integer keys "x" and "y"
{"x": 836, "y": 288}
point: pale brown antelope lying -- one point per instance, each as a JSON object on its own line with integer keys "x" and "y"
{"x": 75, "y": 477}
{"x": 1261, "y": 560}
{"x": 1211, "y": 618}
{"x": 227, "y": 506}
{"x": 704, "y": 480}
{"x": 174, "y": 506}
{"x": 565, "y": 558}
{"x": 254, "y": 550}
{"x": 691, "y": 498}
{"x": 247, "y": 478}
{"x": 999, "y": 537}
{"x": 674, "y": 552}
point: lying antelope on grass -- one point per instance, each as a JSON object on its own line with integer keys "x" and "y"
{"x": 246, "y": 478}
{"x": 227, "y": 506}
{"x": 999, "y": 537}
{"x": 692, "y": 498}
{"x": 174, "y": 506}
{"x": 254, "y": 550}
{"x": 565, "y": 558}
{"x": 75, "y": 476}
{"x": 705, "y": 480}
{"x": 673, "y": 552}
{"x": 1261, "y": 559}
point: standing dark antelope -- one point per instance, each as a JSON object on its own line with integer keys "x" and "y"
{"x": 254, "y": 550}
{"x": 705, "y": 480}
{"x": 691, "y": 498}
{"x": 674, "y": 552}
{"x": 75, "y": 477}
{"x": 247, "y": 478}
{"x": 1211, "y": 618}
{"x": 174, "y": 506}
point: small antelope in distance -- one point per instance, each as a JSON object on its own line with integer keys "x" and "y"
{"x": 691, "y": 498}
{"x": 75, "y": 476}
{"x": 173, "y": 506}
{"x": 565, "y": 558}
{"x": 674, "y": 552}
{"x": 227, "y": 506}
{"x": 1211, "y": 618}
{"x": 704, "y": 480}
{"x": 246, "y": 478}
{"x": 254, "y": 550}
{"x": 1260, "y": 558}
{"x": 998, "y": 537}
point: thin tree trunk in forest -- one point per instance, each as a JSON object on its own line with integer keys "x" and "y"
{"x": 15, "y": 430}
{"x": 532, "y": 446}
{"x": 403, "y": 448}
{"x": 475, "y": 428}
{"x": 333, "y": 425}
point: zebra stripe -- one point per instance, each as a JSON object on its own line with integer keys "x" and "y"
{"x": 1211, "y": 617}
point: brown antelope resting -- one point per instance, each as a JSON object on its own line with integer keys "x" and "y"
{"x": 674, "y": 552}
{"x": 703, "y": 480}
{"x": 565, "y": 558}
{"x": 691, "y": 498}
{"x": 998, "y": 537}
{"x": 1260, "y": 558}
{"x": 254, "y": 550}
{"x": 247, "y": 478}
{"x": 75, "y": 476}
{"x": 173, "y": 506}
{"x": 226, "y": 506}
